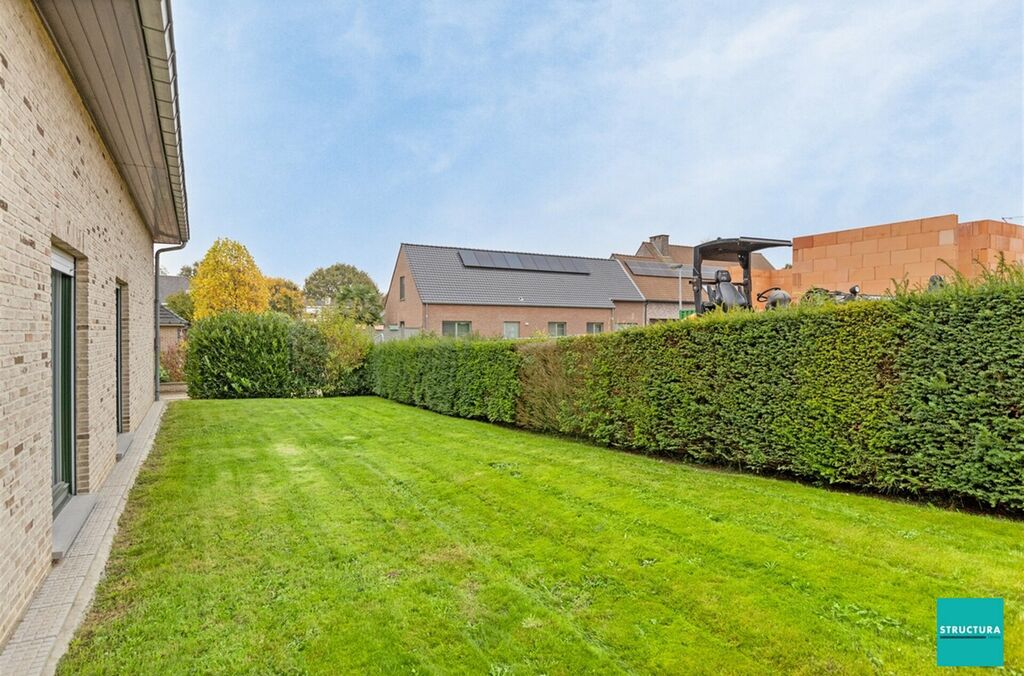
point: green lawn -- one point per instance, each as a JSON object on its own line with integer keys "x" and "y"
{"x": 344, "y": 535}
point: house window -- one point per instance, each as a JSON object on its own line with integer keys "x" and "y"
{"x": 121, "y": 355}
{"x": 510, "y": 330}
{"x": 556, "y": 328}
{"x": 595, "y": 327}
{"x": 62, "y": 337}
{"x": 456, "y": 329}
{"x": 401, "y": 288}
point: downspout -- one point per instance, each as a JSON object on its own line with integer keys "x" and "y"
{"x": 698, "y": 281}
{"x": 156, "y": 317}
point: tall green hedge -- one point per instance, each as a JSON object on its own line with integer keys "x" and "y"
{"x": 238, "y": 355}
{"x": 467, "y": 378}
{"x": 922, "y": 395}
{"x": 960, "y": 396}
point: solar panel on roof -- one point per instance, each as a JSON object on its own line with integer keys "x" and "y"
{"x": 533, "y": 262}
{"x": 652, "y": 268}
{"x": 656, "y": 269}
{"x": 527, "y": 261}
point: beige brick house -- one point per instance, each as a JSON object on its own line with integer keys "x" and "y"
{"x": 90, "y": 179}
{"x": 456, "y": 292}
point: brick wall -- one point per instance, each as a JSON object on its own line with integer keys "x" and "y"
{"x": 58, "y": 186}
{"x": 873, "y": 257}
{"x": 171, "y": 336}
{"x": 488, "y": 320}
{"x": 397, "y": 310}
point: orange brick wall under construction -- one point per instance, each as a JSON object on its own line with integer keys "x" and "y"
{"x": 879, "y": 256}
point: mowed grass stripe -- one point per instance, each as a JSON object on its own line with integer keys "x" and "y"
{"x": 359, "y": 534}
{"x": 540, "y": 516}
{"x": 377, "y": 494}
{"x": 924, "y": 635}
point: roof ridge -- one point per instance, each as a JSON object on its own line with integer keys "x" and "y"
{"x": 503, "y": 251}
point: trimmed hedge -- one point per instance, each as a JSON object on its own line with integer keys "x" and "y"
{"x": 308, "y": 354}
{"x": 238, "y": 355}
{"x": 242, "y": 355}
{"x": 960, "y": 397}
{"x": 466, "y": 378}
{"x": 919, "y": 395}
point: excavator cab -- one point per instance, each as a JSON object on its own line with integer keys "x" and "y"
{"x": 722, "y": 291}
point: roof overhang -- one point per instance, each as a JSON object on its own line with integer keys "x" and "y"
{"x": 120, "y": 54}
{"x": 728, "y": 250}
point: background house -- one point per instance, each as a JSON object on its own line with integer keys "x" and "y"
{"x": 91, "y": 179}
{"x": 455, "y": 292}
{"x": 172, "y": 284}
{"x": 656, "y": 266}
{"x": 173, "y": 327}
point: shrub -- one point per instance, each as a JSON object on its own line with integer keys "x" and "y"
{"x": 802, "y": 392}
{"x": 467, "y": 378}
{"x": 180, "y": 303}
{"x": 172, "y": 360}
{"x": 347, "y": 346}
{"x": 921, "y": 395}
{"x": 308, "y": 354}
{"x": 960, "y": 399}
{"x": 239, "y": 355}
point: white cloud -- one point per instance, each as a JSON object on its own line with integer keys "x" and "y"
{"x": 522, "y": 127}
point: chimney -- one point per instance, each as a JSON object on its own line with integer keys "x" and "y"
{"x": 660, "y": 244}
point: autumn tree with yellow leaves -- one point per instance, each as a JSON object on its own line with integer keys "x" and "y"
{"x": 228, "y": 279}
{"x": 286, "y": 296}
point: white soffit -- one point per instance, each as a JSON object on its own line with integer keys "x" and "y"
{"x": 120, "y": 54}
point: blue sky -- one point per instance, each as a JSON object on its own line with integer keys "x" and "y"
{"x": 322, "y": 132}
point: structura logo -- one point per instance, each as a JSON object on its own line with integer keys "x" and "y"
{"x": 970, "y": 632}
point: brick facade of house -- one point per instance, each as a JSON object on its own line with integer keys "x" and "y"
{"x": 489, "y": 320}
{"x": 58, "y": 187}
{"x": 171, "y": 337}
{"x": 403, "y": 307}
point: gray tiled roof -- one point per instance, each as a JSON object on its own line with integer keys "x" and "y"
{"x": 170, "y": 318}
{"x": 440, "y": 277}
{"x": 172, "y": 284}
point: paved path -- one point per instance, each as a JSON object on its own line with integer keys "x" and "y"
{"x": 60, "y": 604}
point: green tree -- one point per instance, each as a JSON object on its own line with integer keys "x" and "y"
{"x": 181, "y": 304}
{"x": 188, "y": 271}
{"x": 348, "y": 343}
{"x": 361, "y": 303}
{"x": 286, "y": 297}
{"x": 324, "y": 284}
{"x": 228, "y": 279}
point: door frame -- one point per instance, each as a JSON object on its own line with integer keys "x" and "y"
{"x": 119, "y": 356}
{"x": 64, "y": 265}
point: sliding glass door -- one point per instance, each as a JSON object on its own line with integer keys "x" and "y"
{"x": 119, "y": 355}
{"x": 63, "y": 359}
